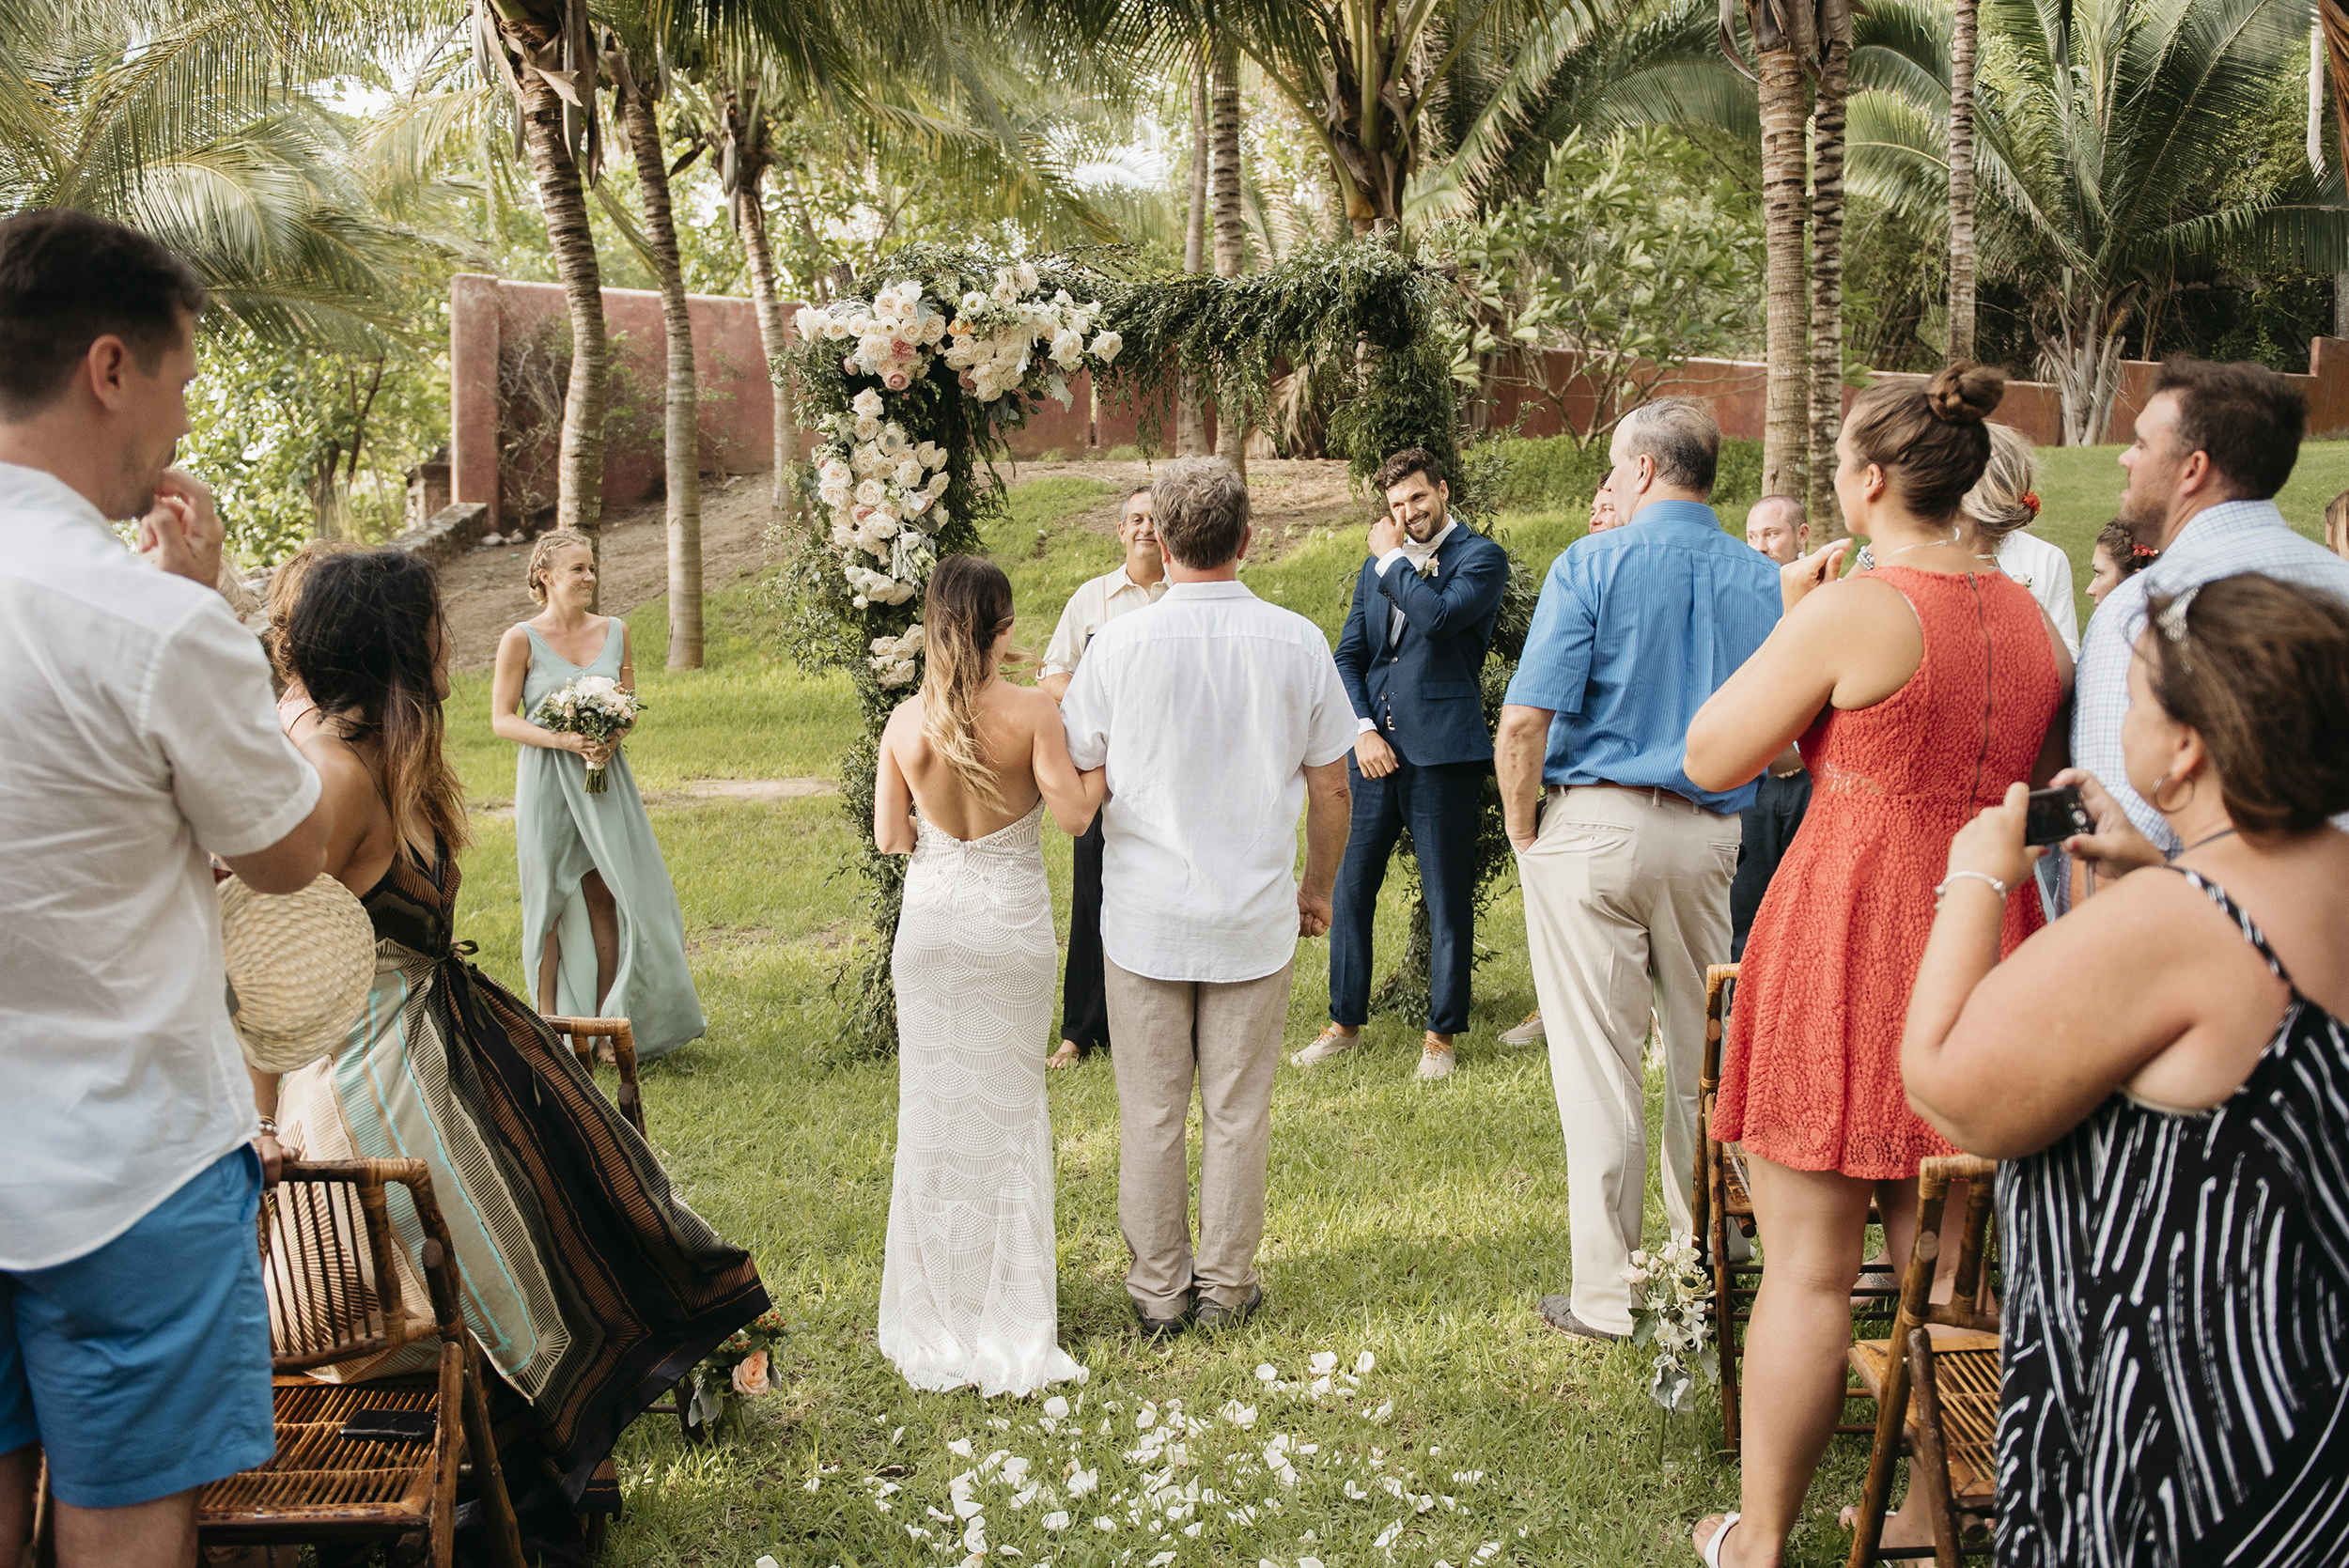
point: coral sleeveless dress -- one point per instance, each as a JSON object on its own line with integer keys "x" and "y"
{"x": 1812, "y": 1079}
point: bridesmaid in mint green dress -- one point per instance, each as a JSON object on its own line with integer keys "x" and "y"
{"x": 599, "y": 912}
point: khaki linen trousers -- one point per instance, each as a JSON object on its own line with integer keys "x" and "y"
{"x": 1626, "y": 901}
{"x": 1228, "y": 1037}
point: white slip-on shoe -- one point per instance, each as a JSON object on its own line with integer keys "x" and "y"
{"x": 1326, "y": 1043}
{"x": 1530, "y": 1033}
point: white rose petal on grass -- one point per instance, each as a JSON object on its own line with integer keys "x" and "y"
{"x": 1161, "y": 1558}
{"x": 1309, "y": 1563}
{"x": 1056, "y": 1520}
{"x": 1104, "y": 1523}
{"x": 1466, "y": 1478}
{"x": 1323, "y": 1360}
{"x": 1387, "y": 1536}
{"x": 1057, "y": 1407}
{"x": 960, "y": 1448}
{"x": 767, "y": 1561}
{"x": 1193, "y": 1527}
{"x": 1265, "y": 1372}
{"x": 1486, "y": 1552}
{"x": 1081, "y": 1482}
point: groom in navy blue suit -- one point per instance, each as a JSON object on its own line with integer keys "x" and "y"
{"x": 1411, "y": 656}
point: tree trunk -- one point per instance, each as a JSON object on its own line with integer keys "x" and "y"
{"x": 1784, "y": 429}
{"x": 1231, "y": 235}
{"x": 1191, "y": 420}
{"x": 1827, "y": 269}
{"x": 750, "y": 219}
{"x": 579, "y": 482}
{"x": 1962, "y": 53}
{"x": 2083, "y": 357}
{"x": 681, "y": 433}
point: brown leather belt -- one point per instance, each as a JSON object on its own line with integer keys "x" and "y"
{"x": 1654, "y": 793}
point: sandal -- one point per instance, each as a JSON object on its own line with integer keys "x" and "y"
{"x": 1711, "y": 1553}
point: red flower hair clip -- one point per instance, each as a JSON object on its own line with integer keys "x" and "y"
{"x": 2030, "y": 498}
{"x": 2144, "y": 553}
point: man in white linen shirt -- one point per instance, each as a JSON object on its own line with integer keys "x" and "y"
{"x": 1136, "y": 585}
{"x": 133, "y": 1336}
{"x": 2215, "y": 442}
{"x": 1218, "y": 715}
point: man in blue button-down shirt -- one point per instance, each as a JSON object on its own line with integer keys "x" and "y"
{"x": 1626, "y": 863}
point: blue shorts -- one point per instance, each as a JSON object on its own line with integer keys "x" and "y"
{"x": 143, "y": 1368}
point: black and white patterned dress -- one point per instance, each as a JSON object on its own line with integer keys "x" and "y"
{"x": 2177, "y": 1320}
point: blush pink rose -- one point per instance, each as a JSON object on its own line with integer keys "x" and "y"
{"x": 897, "y": 381}
{"x": 848, "y": 363}
{"x": 750, "y": 1374}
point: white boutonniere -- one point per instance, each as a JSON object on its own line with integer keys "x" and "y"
{"x": 1427, "y": 567}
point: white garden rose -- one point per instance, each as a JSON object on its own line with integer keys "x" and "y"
{"x": 867, "y": 427}
{"x": 1106, "y": 346}
{"x": 871, "y": 492}
{"x": 867, "y": 404}
{"x": 909, "y": 474}
{"x": 1068, "y": 350}
{"x": 1027, "y": 278}
{"x": 938, "y": 484}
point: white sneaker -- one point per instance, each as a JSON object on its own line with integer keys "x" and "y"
{"x": 1328, "y": 1043}
{"x": 1530, "y": 1033}
{"x": 1434, "y": 1060}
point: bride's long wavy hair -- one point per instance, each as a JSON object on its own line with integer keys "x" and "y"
{"x": 967, "y": 609}
{"x": 364, "y": 640}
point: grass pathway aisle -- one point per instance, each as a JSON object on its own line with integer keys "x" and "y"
{"x": 1410, "y": 1228}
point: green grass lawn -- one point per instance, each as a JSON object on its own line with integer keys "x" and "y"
{"x": 1416, "y": 1225}
{"x": 1412, "y": 1225}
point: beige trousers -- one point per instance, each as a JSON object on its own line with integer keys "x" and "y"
{"x": 1166, "y": 1033}
{"x": 1626, "y": 901}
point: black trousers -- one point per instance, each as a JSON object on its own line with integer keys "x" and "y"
{"x": 1440, "y": 803}
{"x": 1766, "y": 829}
{"x": 1083, "y": 1006}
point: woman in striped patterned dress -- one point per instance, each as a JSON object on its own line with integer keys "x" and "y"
{"x": 2171, "y": 1083}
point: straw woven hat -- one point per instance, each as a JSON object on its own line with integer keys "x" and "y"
{"x": 300, "y": 966}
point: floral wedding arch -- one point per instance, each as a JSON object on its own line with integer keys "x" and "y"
{"x": 915, "y": 379}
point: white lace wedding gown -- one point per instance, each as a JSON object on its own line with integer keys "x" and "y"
{"x": 968, "y": 1294}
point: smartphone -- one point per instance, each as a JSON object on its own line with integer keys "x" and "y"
{"x": 388, "y": 1426}
{"x": 2055, "y": 814}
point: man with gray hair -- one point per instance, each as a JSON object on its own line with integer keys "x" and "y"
{"x": 1624, "y": 862}
{"x": 1218, "y": 715}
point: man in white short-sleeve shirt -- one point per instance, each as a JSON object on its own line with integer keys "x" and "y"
{"x": 1139, "y": 582}
{"x": 141, "y": 735}
{"x": 1219, "y": 717}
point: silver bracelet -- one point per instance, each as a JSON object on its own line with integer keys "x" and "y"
{"x": 1941, "y": 889}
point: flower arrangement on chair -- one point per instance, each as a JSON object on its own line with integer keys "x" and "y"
{"x": 1672, "y": 1308}
{"x": 742, "y": 1367}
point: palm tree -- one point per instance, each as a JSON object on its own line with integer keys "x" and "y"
{"x": 2104, "y": 143}
{"x": 1191, "y": 425}
{"x": 183, "y": 124}
{"x": 542, "y": 52}
{"x": 1826, "y": 262}
{"x": 1230, "y": 226}
{"x": 638, "y": 92}
{"x": 1964, "y": 20}
{"x": 1781, "y": 38}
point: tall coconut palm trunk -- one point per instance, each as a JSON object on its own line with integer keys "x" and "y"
{"x": 1826, "y": 265}
{"x": 1963, "y": 50}
{"x": 550, "y": 55}
{"x": 1230, "y": 231}
{"x": 1191, "y": 420}
{"x": 750, "y": 221}
{"x": 1785, "y": 428}
{"x": 681, "y": 432}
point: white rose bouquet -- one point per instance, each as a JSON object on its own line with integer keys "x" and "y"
{"x": 595, "y": 706}
{"x": 1672, "y": 1308}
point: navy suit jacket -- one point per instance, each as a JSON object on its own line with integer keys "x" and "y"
{"x": 1423, "y": 692}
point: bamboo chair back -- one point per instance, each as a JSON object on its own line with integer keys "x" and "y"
{"x": 1936, "y": 1397}
{"x": 584, "y": 1033}
{"x": 333, "y": 1293}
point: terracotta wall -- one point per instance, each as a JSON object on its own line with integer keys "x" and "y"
{"x": 737, "y": 409}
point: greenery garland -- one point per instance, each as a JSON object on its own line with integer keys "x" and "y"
{"x": 1354, "y": 326}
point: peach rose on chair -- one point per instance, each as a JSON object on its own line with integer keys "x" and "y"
{"x": 750, "y": 1374}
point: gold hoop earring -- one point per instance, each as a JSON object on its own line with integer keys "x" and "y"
{"x": 2162, "y": 783}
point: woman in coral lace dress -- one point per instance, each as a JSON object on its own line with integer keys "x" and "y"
{"x": 1918, "y": 690}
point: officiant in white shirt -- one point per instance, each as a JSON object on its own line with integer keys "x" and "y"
{"x": 1136, "y": 585}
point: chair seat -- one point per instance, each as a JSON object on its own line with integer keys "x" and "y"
{"x": 1966, "y": 1378}
{"x": 318, "y": 1481}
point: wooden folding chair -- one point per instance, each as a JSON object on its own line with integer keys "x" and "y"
{"x": 1936, "y": 1397}
{"x": 334, "y": 1295}
{"x": 1721, "y": 1200}
{"x": 584, "y": 1033}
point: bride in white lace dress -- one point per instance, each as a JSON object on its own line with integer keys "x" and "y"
{"x": 969, "y": 1295}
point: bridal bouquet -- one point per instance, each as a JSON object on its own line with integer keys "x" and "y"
{"x": 597, "y": 706}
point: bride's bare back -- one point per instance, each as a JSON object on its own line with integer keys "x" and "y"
{"x": 1026, "y": 753}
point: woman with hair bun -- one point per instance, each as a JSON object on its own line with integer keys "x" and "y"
{"x": 968, "y": 1290}
{"x": 1918, "y": 692}
{"x": 600, "y": 919}
{"x": 2167, "y": 1071}
{"x": 2003, "y": 504}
